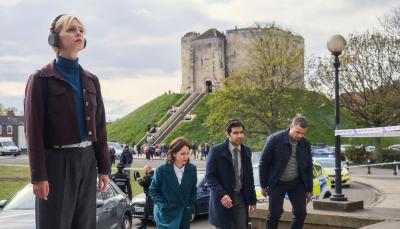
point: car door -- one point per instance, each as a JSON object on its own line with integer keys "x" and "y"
{"x": 202, "y": 197}
{"x": 107, "y": 212}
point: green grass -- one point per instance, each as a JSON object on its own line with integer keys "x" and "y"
{"x": 131, "y": 128}
{"x": 21, "y": 174}
{"x": 9, "y": 188}
{"x": 17, "y": 172}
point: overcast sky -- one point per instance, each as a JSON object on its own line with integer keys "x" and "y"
{"x": 134, "y": 46}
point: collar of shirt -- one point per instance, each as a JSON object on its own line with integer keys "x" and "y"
{"x": 179, "y": 172}
{"x": 232, "y": 147}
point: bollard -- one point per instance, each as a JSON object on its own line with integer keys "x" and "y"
{"x": 369, "y": 167}
{"x": 395, "y": 167}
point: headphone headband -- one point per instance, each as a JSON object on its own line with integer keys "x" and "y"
{"x": 53, "y": 24}
{"x": 53, "y": 39}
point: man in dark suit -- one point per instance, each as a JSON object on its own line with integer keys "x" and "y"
{"x": 286, "y": 167}
{"x": 229, "y": 174}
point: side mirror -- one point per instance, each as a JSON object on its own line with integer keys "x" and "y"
{"x": 205, "y": 187}
{"x": 99, "y": 203}
{"x": 3, "y": 203}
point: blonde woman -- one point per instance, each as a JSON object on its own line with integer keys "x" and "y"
{"x": 66, "y": 133}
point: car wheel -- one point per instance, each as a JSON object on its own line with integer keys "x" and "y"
{"x": 126, "y": 222}
{"x": 193, "y": 214}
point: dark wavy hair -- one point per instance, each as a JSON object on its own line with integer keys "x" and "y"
{"x": 176, "y": 145}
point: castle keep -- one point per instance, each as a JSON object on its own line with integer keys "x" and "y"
{"x": 208, "y": 58}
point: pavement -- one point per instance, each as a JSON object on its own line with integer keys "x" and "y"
{"x": 384, "y": 213}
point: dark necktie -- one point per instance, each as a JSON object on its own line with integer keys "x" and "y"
{"x": 236, "y": 167}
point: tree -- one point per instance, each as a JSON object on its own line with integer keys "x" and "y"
{"x": 391, "y": 23}
{"x": 265, "y": 92}
{"x": 369, "y": 79}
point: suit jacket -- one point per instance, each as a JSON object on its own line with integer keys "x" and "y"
{"x": 276, "y": 155}
{"x": 173, "y": 203}
{"x": 220, "y": 177}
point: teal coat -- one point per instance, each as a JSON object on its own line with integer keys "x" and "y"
{"x": 173, "y": 203}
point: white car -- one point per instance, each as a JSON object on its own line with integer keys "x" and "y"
{"x": 117, "y": 147}
{"x": 8, "y": 147}
{"x": 395, "y": 147}
{"x": 370, "y": 149}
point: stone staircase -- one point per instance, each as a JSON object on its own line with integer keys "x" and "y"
{"x": 178, "y": 116}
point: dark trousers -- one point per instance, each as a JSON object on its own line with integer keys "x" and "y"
{"x": 148, "y": 209}
{"x": 297, "y": 196}
{"x": 71, "y": 202}
{"x": 239, "y": 216}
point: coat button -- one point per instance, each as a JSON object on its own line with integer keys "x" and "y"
{"x": 90, "y": 132}
{"x": 88, "y": 118}
{"x": 84, "y": 90}
{"x": 87, "y": 104}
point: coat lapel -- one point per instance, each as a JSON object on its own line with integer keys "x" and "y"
{"x": 226, "y": 153}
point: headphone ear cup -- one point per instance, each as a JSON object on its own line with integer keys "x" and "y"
{"x": 84, "y": 44}
{"x": 54, "y": 40}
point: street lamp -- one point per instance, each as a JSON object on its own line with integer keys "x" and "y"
{"x": 336, "y": 44}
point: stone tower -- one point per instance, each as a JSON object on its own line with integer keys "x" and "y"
{"x": 212, "y": 56}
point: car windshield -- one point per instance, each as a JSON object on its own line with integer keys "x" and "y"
{"x": 8, "y": 143}
{"x": 326, "y": 163}
{"x": 24, "y": 200}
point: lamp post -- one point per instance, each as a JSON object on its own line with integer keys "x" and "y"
{"x": 336, "y": 44}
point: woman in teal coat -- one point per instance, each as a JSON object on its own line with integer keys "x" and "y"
{"x": 173, "y": 188}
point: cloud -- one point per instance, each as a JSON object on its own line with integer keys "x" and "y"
{"x": 134, "y": 46}
{"x": 121, "y": 94}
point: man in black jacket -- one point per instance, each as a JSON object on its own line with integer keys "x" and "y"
{"x": 145, "y": 183}
{"x": 286, "y": 167}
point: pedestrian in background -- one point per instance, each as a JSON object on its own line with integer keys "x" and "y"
{"x": 173, "y": 188}
{"x": 145, "y": 183}
{"x": 126, "y": 160}
{"x": 122, "y": 180}
{"x": 286, "y": 167}
{"x": 229, "y": 174}
{"x": 66, "y": 133}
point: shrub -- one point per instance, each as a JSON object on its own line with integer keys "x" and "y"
{"x": 357, "y": 155}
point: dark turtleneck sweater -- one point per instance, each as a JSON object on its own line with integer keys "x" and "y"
{"x": 69, "y": 69}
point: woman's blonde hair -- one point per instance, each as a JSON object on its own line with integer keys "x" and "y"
{"x": 176, "y": 145}
{"x": 62, "y": 22}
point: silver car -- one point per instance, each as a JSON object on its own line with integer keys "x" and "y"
{"x": 113, "y": 209}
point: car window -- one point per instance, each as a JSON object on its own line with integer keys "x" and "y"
{"x": 23, "y": 200}
{"x": 109, "y": 193}
{"x": 9, "y": 143}
{"x": 200, "y": 179}
{"x": 326, "y": 163}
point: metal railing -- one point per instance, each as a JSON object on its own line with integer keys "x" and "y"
{"x": 369, "y": 165}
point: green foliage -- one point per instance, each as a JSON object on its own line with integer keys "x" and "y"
{"x": 131, "y": 128}
{"x": 390, "y": 155}
{"x": 357, "y": 155}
